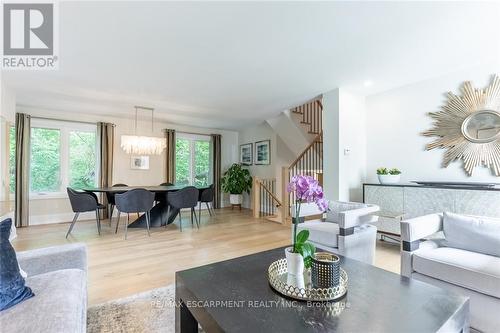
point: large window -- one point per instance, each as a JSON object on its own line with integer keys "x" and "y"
{"x": 192, "y": 160}
{"x": 62, "y": 154}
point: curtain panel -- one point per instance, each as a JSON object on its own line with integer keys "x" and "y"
{"x": 170, "y": 156}
{"x": 216, "y": 167}
{"x": 23, "y": 147}
{"x": 106, "y": 137}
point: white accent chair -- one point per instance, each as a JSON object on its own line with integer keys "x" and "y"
{"x": 470, "y": 267}
{"x": 345, "y": 229}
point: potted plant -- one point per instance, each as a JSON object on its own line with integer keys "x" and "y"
{"x": 388, "y": 176}
{"x": 307, "y": 190}
{"x": 235, "y": 181}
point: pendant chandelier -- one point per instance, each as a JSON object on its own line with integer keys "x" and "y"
{"x": 143, "y": 145}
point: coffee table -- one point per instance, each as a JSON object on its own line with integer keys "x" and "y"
{"x": 235, "y": 296}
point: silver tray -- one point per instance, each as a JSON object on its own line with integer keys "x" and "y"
{"x": 301, "y": 287}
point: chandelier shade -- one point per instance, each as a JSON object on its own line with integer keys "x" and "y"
{"x": 143, "y": 145}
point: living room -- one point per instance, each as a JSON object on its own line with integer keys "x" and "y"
{"x": 244, "y": 166}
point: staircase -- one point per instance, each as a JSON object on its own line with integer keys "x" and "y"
{"x": 309, "y": 161}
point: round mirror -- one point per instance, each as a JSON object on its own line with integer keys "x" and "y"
{"x": 482, "y": 126}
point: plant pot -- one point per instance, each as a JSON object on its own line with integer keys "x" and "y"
{"x": 389, "y": 179}
{"x": 235, "y": 199}
{"x": 294, "y": 262}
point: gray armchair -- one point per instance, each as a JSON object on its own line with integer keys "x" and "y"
{"x": 346, "y": 229}
{"x": 58, "y": 277}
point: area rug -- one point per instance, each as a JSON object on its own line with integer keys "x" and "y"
{"x": 152, "y": 311}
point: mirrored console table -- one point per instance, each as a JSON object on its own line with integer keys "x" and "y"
{"x": 405, "y": 201}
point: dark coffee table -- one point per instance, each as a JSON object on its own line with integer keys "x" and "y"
{"x": 235, "y": 296}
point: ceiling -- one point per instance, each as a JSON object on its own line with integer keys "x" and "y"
{"x": 232, "y": 64}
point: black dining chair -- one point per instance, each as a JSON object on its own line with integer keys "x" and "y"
{"x": 185, "y": 198}
{"x": 161, "y": 196}
{"x": 134, "y": 201}
{"x": 111, "y": 201}
{"x": 82, "y": 202}
{"x": 207, "y": 197}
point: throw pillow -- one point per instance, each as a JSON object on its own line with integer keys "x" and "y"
{"x": 12, "y": 285}
{"x": 13, "y": 235}
{"x": 473, "y": 233}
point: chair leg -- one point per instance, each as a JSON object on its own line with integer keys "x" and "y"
{"x": 126, "y": 225}
{"x": 117, "y": 222}
{"x": 147, "y": 222}
{"x": 208, "y": 207}
{"x": 212, "y": 207}
{"x": 180, "y": 219}
{"x": 196, "y": 218}
{"x": 98, "y": 219}
{"x": 192, "y": 209}
{"x": 72, "y": 224}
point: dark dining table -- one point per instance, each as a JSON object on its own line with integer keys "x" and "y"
{"x": 159, "y": 213}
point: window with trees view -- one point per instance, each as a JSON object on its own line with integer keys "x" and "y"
{"x": 192, "y": 160}
{"x": 62, "y": 154}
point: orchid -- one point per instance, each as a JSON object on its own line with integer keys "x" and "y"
{"x": 307, "y": 190}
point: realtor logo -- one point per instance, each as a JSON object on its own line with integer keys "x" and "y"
{"x": 29, "y": 36}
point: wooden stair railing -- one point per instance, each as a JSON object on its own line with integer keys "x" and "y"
{"x": 265, "y": 201}
{"x": 310, "y": 161}
{"x": 311, "y": 115}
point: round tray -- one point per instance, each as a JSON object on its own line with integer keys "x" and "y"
{"x": 301, "y": 287}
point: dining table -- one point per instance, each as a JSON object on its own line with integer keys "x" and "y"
{"x": 160, "y": 214}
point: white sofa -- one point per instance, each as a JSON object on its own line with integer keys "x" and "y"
{"x": 459, "y": 253}
{"x": 345, "y": 229}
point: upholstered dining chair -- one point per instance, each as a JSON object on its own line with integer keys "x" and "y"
{"x": 207, "y": 197}
{"x": 111, "y": 201}
{"x": 138, "y": 200}
{"x": 82, "y": 202}
{"x": 185, "y": 198}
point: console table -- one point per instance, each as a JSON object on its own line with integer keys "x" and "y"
{"x": 405, "y": 201}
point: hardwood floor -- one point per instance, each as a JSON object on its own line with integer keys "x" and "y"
{"x": 119, "y": 267}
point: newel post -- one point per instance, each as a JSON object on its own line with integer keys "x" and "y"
{"x": 256, "y": 197}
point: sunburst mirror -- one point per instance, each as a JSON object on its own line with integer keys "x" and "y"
{"x": 468, "y": 126}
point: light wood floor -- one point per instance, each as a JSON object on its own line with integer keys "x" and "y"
{"x": 119, "y": 267}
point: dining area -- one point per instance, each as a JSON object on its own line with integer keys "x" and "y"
{"x": 143, "y": 207}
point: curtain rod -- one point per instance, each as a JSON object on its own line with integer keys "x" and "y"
{"x": 69, "y": 121}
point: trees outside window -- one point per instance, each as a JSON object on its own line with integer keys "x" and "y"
{"x": 193, "y": 160}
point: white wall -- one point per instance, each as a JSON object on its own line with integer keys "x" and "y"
{"x": 396, "y": 119}
{"x": 280, "y": 155}
{"x": 59, "y": 210}
{"x": 344, "y": 145}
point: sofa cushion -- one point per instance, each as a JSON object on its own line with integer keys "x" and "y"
{"x": 323, "y": 233}
{"x": 60, "y": 304}
{"x": 473, "y": 233}
{"x": 472, "y": 270}
{"x": 13, "y": 289}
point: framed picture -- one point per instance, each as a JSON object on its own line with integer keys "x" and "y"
{"x": 263, "y": 152}
{"x": 139, "y": 163}
{"x": 246, "y": 154}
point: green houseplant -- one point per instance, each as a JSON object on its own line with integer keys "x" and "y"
{"x": 235, "y": 181}
{"x": 388, "y": 176}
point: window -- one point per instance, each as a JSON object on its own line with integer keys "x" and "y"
{"x": 62, "y": 154}
{"x": 193, "y": 160}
